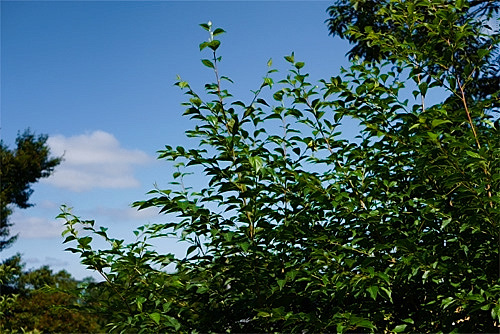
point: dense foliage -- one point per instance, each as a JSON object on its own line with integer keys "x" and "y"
{"x": 21, "y": 167}
{"x": 359, "y": 21}
{"x": 39, "y": 301}
{"x": 297, "y": 229}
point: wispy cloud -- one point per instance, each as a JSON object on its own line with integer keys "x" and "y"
{"x": 48, "y": 261}
{"x": 94, "y": 160}
{"x": 35, "y": 227}
{"x": 127, "y": 214}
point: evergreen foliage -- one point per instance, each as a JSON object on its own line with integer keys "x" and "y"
{"x": 21, "y": 167}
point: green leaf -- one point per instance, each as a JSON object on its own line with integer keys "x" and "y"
{"x": 432, "y": 135}
{"x": 298, "y": 65}
{"x": 290, "y": 58}
{"x": 437, "y": 122}
{"x": 167, "y": 307}
{"x": 278, "y": 96}
{"x": 473, "y": 154}
{"x": 203, "y": 45}
{"x": 173, "y": 322}
{"x": 244, "y": 246}
{"x": 495, "y": 312}
{"x": 182, "y": 84}
{"x": 399, "y": 328}
{"x": 445, "y": 222}
{"x": 388, "y": 292}
{"x": 268, "y": 82}
{"x": 218, "y": 31}
{"x": 156, "y": 317}
{"x": 447, "y": 302}
{"x": 384, "y": 276}
{"x": 207, "y": 63}
{"x": 139, "y": 301}
{"x": 490, "y": 123}
{"x": 263, "y": 314}
{"x": 191, "y": 249}
{"x": 256, "y": 163}
{"x": 214, "y": 45}
{"x": 373, "y": 290}
{"x": 262, "y": 101}
{"x": 69, "y": 238}
{"x": 223, "y": 77}
{"x": 205, "y": 26}
{"x": 452, "y": 82}
{"x": 85, "y": 241}
{"x": 365, "y": 323}
{"x": 423, "y": 88}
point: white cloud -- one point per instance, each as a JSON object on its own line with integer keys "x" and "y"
{"x": 48, "y": 261}
{"x": 35, "y": 227}
{"x": 46, "y": 204}
{"x": 94, "y": 160}
{"x": 127, "y": 214}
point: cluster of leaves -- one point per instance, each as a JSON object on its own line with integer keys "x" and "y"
{"x": 368, "y": 23}
{"x": 349, "y": 17}
{"x": 297, "y": 229}
{"x": 136, "y": 293}
{"x": 38, "y": 301}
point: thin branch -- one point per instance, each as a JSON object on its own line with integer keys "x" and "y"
{"x": 421, "y": 95}
{"x": 464, "y": 101}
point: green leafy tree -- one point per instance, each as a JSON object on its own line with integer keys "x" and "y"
{"x": 21, "y": 167}
{"x": 360, "y": 20}
{"x": 348, "y": 17}
{"x": 297, "y": 229}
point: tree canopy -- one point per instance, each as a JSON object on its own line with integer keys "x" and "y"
{"x": 410, "y": 28}
{"x": 33, "y": 300}
{"x": 41, "y": 301}
{"x": 297, "y": 229}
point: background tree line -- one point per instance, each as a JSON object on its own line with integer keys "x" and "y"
{"x": 33, "y": 300}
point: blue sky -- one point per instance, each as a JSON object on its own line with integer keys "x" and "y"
{"x": 97, "y": 77}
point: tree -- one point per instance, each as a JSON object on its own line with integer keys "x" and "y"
{"x": 21, "y": 167}
{"x": 299, "y": 230}
{"x": 37, "y": 300}
{"x": 359, "y": 20}
{"x": 348, "y": 17}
